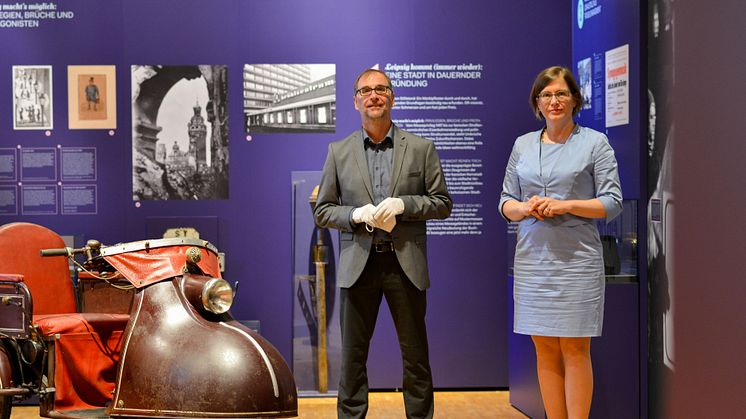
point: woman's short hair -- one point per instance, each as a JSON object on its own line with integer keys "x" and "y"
{"x": 371, "y": 70}
{"x": 549, "y": 75}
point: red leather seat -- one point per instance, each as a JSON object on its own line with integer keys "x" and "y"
{"x": 101, "y": 323}
{"x": 47, "y": 278}
{"x": 87, "y": 345}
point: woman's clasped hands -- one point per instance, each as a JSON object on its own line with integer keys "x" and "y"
{"x": 541, "y": 207}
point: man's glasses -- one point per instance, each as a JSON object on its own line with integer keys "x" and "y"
{"x": 380, "y": 90}
{"x": 561, "y": 95}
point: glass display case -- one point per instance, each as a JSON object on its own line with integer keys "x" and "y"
{"x": 616, "y": 353}
{"x": 316, "y": 336}
{"x": 619, "y": 241}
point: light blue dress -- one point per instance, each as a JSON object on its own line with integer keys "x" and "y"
{"x": 559, "y": 270}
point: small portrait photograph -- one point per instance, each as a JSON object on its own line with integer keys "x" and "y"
{"x": 32, "y": 97}
{"x": 91, "y": 97}
{"x": 585, "y": 81}
{"x": 287, "y": 98}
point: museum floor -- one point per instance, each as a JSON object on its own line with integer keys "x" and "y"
{"x": 389, "y": 405}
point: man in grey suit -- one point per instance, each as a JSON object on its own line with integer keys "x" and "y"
{"x": 379, "y": 186}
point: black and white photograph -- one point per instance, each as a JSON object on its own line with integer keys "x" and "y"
{"x": 661, "y": 204}
{"x": 585, "y": 80}
{"x": 179, "y": 132}
{"x": 286, "y": 98}
{"x": 32, "y": 97}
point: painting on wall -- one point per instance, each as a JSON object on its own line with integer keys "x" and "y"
{"x": 179, "y": 132}
{"x": 91, "y": 97}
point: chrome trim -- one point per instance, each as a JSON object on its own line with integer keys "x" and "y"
{"x": 118, "y": 248}
{"x": 14, "y": 391}
{"x": 123, "y": 356}
{"x": 271, "y": 370}
{"x": 207, "y": 288}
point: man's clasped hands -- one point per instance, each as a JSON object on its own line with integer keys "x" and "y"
{"x": 381, "y": 216}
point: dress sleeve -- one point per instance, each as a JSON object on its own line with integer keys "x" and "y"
{"x": 606, "y": 178}
{"x": 511, "y": 182}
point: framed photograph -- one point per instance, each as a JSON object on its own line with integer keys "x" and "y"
{"x": 179, "y": 132}
{"x": 92, "y": 96}
{"x": 288, "y": 98}
{"x": 585, "y": 80}
{"x": 32, "y": 97}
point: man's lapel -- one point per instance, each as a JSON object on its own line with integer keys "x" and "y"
{"x": 400, "y": 148}
{"x": 358, "y": 150}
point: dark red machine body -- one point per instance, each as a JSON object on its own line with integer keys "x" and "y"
{"x": 172, "y": 353}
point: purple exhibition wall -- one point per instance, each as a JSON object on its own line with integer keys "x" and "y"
{"x": 467, "y": 316}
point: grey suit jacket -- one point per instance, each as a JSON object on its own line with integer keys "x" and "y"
{"x": 416, "y": 178}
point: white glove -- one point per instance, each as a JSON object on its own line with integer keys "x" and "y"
{"x": 388, "y": 208}
{"x": 365, "y": 214}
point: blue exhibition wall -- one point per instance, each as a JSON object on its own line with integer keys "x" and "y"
{"x": 603, "y": 28}
{"x": 608, "y": 57}
{"x": 474, "y": 106}
{"x": 607, "y": 61}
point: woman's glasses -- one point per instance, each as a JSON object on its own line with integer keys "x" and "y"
{"x": 560, "y": 95}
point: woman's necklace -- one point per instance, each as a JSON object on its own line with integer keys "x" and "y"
{"x": 564, "y": 137}
{"x": 544, "y": 139}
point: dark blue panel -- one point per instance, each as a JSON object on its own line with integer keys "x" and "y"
{"x": 617, "y": 23}
{"x": 613, "y": 23}
{"x": 615, "y": 356}
{"x": 524, "y": 384}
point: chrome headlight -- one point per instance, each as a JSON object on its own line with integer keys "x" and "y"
{"x": 217, "y": 296}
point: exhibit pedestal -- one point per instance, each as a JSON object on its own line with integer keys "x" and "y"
{"x": 615, "y": 356}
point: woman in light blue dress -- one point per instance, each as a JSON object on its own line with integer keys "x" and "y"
{"x": 558, "y": 180}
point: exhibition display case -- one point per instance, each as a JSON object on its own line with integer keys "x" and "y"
{"x": 316, "y": 337}
{"x": 615, "y": 354}
{"x": 619, "y": 241}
